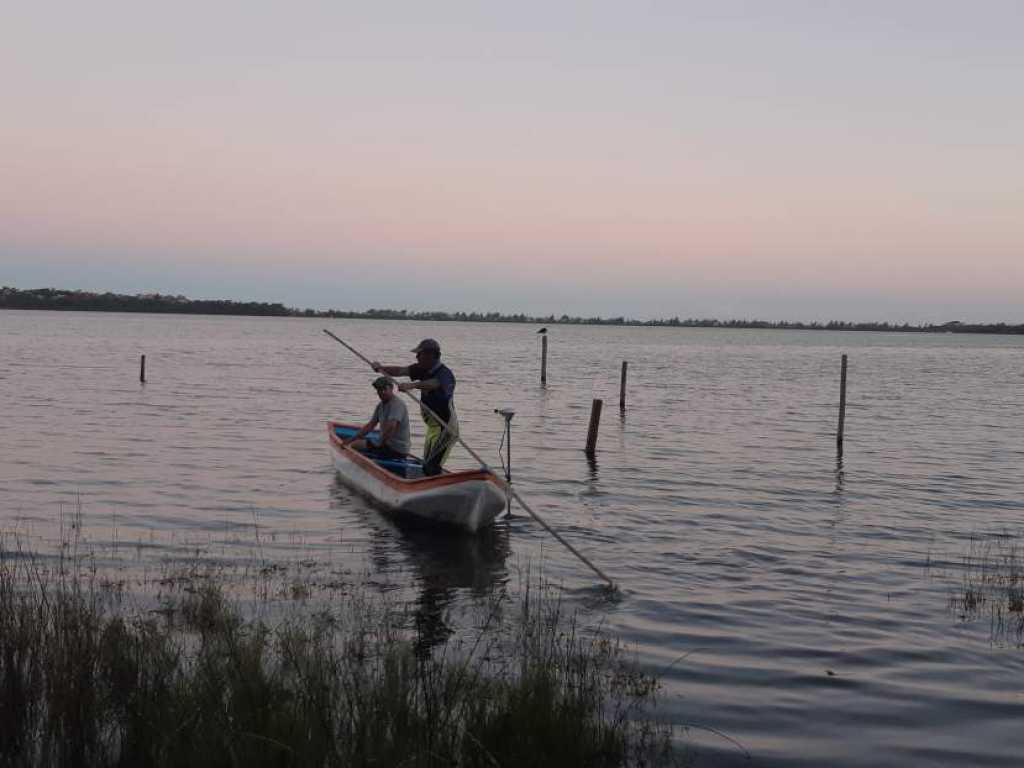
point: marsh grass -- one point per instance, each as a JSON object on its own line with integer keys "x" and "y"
{"x": 992, "y": 583}
{"x": 84, "y": 681}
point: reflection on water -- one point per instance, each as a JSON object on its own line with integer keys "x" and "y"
{"x": 444, "y": 563}
{"x": 840, "y": 475}
{"x": 447, "y": 564}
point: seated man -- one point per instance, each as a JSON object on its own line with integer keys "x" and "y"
{"x": 393, "y": 418}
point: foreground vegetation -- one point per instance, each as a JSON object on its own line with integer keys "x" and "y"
{"x": 193, "y": 683}
{"x": 61, "y": 299}
{"x": 992, "y": 583}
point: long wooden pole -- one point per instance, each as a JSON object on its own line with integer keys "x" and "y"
{"x": 511, "y": 490}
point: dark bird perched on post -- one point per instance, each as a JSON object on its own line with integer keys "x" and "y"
{"x": 543, "y": 330}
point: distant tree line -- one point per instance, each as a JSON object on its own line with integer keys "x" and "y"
{"x": 60, "y": 299}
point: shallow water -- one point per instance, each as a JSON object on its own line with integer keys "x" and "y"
{"x": 807, "y": 597}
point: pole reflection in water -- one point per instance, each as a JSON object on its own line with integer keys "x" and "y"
{"x": 840, "y": 474}
{"x": 592, "y": 482}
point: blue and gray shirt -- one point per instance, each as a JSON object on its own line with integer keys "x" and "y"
{"x": 438, "y": 400}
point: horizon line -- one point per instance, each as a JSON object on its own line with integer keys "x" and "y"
{"x": 60, "y": 299}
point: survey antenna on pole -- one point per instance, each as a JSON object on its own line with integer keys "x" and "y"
{"x": 506, "y": 463}
{"x": 512, "y": 491}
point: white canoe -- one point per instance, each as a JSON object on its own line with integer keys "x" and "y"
{"x": 468, "y": 499}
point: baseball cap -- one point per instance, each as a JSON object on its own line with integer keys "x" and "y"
{"x": 428, "y": 345}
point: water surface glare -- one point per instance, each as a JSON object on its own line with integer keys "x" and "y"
{"x": 793, "y": 602}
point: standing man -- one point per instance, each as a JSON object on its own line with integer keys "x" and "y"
{"x": 436, "y": 382}
{"x": 393, "y": 418}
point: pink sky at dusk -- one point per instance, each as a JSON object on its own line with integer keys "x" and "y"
{"x": 864, "y": 162}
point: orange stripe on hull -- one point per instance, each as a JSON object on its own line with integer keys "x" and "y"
{"x": 400, "y": 483}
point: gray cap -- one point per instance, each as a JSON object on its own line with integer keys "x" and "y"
{"x": 383, "y": 381}
{"x": 428, "y": 345}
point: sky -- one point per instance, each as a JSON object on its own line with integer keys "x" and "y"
{"x": 777, "y": 159}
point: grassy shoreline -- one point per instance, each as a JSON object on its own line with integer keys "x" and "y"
{"x": 83, "y": 681}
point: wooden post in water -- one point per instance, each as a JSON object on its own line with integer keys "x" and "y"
{"x": 622, "y": 387}
{"x": 142, "y": 369}
{"x": 544, "y": 360}
{"x": 842, "y": 407}
{"x": 595, "y": 422}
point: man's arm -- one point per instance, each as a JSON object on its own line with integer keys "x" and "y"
{"x": 387, "y": 429}
{"x": 426, "y": 385}
{"x": 363, "y": 431}
{"x": 441, "y": 380}
{"x": 390, "y": 370}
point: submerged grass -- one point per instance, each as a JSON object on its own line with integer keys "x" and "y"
{"x": 85, "y": 682}
{"x": 992, "y": 582}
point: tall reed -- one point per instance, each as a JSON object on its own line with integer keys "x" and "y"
{"x": 992, "y": 580}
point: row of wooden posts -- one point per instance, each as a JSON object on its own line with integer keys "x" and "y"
{"x": 595, "y": 412}
{"x": 597, "y": 405}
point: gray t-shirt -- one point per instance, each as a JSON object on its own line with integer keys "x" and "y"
{"x": 394, "y": 410}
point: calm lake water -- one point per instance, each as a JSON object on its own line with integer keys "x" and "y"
{"x": 811, "y": 598}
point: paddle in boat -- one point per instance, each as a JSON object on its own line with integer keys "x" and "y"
{"x": 468, "y": 499}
